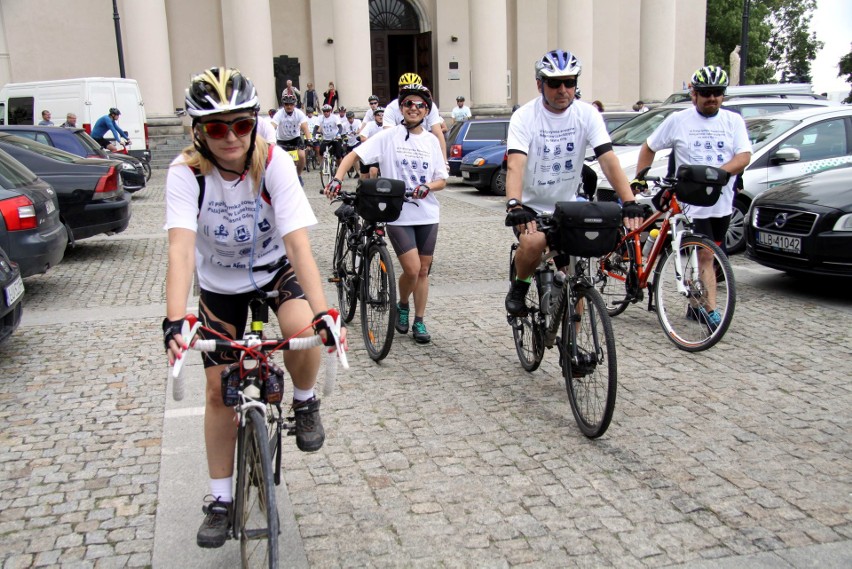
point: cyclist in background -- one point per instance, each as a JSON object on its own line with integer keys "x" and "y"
{"x": 368, "y": 130}
{"x": 432, "y": 122}
{"x": 704, "y": 134}
{"x": 330, "y": 128}
{"x": 462, "y": 111}
{"x": 238, "y": 218}
{"x": 373, "y": 101}
{"x": 408, "y": 152}
{"x": 291, "y": 126}
{"x": 313, "y": 122}
{"x": 546, "y": 145}
{"x": 107, "y": 123}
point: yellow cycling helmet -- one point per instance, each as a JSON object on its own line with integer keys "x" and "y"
{"x": 410, "y": 79}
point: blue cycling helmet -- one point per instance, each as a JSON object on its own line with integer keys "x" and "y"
{"x": 557, "y": 63}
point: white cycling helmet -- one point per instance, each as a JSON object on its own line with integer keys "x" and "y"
{"x": 557, "y": 63}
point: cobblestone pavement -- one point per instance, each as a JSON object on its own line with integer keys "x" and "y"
{"x": 446, "y": 455}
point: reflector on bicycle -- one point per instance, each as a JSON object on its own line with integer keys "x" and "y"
{"x": 380, "y": 199}
{"x": 700, "y": 185}
{"x": 585, "y": 229}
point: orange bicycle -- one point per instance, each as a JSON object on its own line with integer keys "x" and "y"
{"x": 693, "y": 291}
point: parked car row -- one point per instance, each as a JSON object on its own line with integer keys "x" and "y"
{"x": 49, "y": 199}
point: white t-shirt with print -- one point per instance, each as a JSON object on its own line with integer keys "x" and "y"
{"x": 370, "y": 129}
{"x": 416, "y": 161}
{"x": 350, "y": 129}
{"x": 555, "y": 145}
{"x": 393, "y": 115}
{"x": 697, "y": 139}
{"x": 232, "y": 221}
{"x": 289, "y": 125}
{"x": 329, "y": 126}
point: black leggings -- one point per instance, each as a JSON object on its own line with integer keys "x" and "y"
{"x": 404, "y": 238}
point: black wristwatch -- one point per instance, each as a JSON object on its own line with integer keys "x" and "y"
{"x": 512, "y": 203}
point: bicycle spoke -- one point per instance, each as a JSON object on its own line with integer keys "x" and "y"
{"x": 611, "y": 280}
{"x": 378, "y": 302}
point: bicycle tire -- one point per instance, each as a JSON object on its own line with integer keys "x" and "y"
{"x": 346, "y": 279}
{"x": 611, "y": 280}
{"x": 146, "y": 168}
{"x": 527, "y": 332}
{"x": 378, "y": 302}
{"x": 325, "y": 171}
{"x": 593, "y": 391}
{"x": 256, "y": 510}
{"x": 683, "y": 317}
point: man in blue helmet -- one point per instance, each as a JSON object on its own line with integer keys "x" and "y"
{"x": 546, "y": 146}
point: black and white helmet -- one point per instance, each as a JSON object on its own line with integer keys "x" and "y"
{"x": 557, "y": 63}
{"x": 709, "y": 77}
{"x": 372, "y": 99}
{"x": 326, "y": 108}
{"x": 220, "y": 90}
{"x": 288, "y": 99}
{"x": 419, "y": 90}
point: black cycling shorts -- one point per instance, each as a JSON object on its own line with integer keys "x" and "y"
{"x": 228, "y": 313}
{"x": 103, "y": 142}
{"x": 404, "y": 238}
{"x": 713, "y": 227}
{"x": 297, "y": 143}
{"x": 365, "y": 168}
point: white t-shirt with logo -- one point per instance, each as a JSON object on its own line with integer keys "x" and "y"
{"x": 329, "y": 126}
{"x": 697, "y": 139}
{"x": 416, "y": 161}
{"x": 289, "y": 125}
{"x": 232, "y": 221}
{"x": 350, "y": 129}
{"x": 555, "y": 145}
{"x": 393, "y": 115}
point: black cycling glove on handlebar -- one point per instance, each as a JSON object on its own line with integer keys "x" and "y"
{"x": 322, "y": 325}
{"x": 638, "y": 185}
{"x": 520, "y": 216}
{"x": 632, "y": 209}
{"x": 662, "y": 199}
{"x": 171, "y": 328}
{"x": 334, "y": 186}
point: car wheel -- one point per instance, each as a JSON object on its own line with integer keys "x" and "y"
{"x": 735, "y": 239}
{"x": 498, "y": 183}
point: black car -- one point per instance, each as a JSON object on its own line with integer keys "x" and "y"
{"x": 77, "y": 141}
{"x": 31, "y": 232}
{"x": 805, "y": 225}
{"x": 91, "y": 198}
{"x": 11, "y": 305}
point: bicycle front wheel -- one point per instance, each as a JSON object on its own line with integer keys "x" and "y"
{"x": 257, "y": 514}
{"x": 587, "y": 352}
{"x": 378, "y": 302}
{"x": 695, "y": 310}
{"x": 612, "y": 278}
{"x": 146, "y": 168}
{"x": 345, "y": 276}
{"x": 527, "y": 331}
{"x": 325, "y": 171}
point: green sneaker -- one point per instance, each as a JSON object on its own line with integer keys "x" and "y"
{"x": 421, "y": 336}
{"x": 401, "y": 319}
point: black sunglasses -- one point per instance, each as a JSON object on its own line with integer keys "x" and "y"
{"x": 720, "y": 92}
{"x": 219, "y": 129}
{"x": 554, "y": 83}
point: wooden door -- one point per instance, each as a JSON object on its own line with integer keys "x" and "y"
{"x": 381, "y": 67}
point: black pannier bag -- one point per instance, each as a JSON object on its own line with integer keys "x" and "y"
{"x": 380, "y": 199}
{"x": 700, "y": 185}
{"x": 585, "y": 229}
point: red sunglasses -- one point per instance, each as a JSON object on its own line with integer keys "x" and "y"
{"x": 416, "y": 104}
{"x": 219, "y": 129}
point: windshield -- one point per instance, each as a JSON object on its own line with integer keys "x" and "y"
{"x": 635, "y": 131}
{"x": 13, "y": 174}
{"x": 762, "y": 131}
{"x": 42, "y": 149}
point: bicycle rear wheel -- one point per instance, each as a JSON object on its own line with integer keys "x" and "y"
{"x": 146, "y": 168}
{"x": 612, "y": 278}
{"x": 378, "y": 302}
{"x": 687, "y": 317}
{"x": 345, "y": 277}
{"x": 257, "y": 514}
{"x": 587, "y": 353}
{"x": 526, "y": 330}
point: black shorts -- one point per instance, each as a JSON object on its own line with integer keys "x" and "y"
{"x": 404, "y": 238}
{"x": 293, "y": 143}
{"x": 713, "y": 227}
{"x": 103, "y": 142}
{"x": 365, "y": 168}
{"x": 228, "y": 313}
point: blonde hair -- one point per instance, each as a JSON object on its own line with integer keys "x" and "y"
{"x": 193, "y": 158}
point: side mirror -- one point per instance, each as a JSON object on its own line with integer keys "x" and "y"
{"x": 788, "y": 154}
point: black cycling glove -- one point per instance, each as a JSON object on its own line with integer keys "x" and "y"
{"x": 333, "y": 187}
{"x": 662, "y": 200}
{"x": 520, "y": 216}
{"x": 638, "y": 185}
{"x": 322, "y": 325}
{"x": 632, "y": 209}
{"x": 171, "y": 328}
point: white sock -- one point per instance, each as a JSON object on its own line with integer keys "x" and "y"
{"x": 302, "y": 394}
{"x": 220, "y": 488}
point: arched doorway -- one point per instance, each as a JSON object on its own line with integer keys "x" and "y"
{"x": 397, "y": 46}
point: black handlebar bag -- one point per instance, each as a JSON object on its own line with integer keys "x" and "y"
{"x": 380, "y": 199}
{"x": 585, "y": 229}
{"x": 700, "y": 185}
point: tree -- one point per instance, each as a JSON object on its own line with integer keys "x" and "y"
{"x": 845, "y": 66}
{"x": 779, "y": 39}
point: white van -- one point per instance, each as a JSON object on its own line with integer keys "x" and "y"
{"x": 89, "y": 98}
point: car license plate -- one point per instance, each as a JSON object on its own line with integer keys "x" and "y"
{"x": 783, "y": 242}
{"x": 465, "y": 174}
{"x": 14, "y": 291}
{"x": 50, "y": 207}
